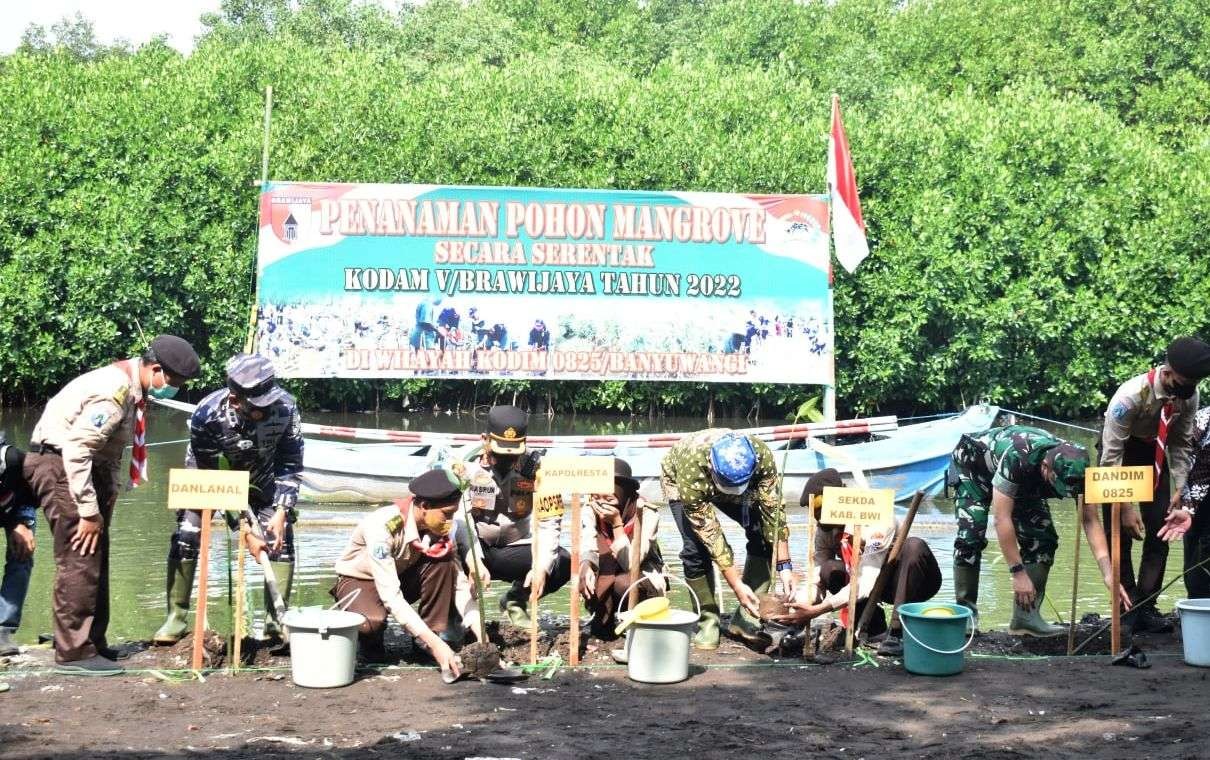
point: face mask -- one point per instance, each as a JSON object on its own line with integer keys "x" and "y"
{"x": 436, "y": 523}
{"x": 165, "y": 391}
{"x": 1182, "y": 391}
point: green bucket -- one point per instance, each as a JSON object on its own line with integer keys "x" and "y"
{"x": 934, "y": 637}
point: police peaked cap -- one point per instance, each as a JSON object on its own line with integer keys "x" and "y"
{"x": 1189, "y": 357}
{"x": 506, "y": 428}
{"x": 438, "y": 486}
{"x": 825, "y": 478}
{"x": 176, "y": 355}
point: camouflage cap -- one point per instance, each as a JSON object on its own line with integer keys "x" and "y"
{"x": 1068, "y": 460}
{"x": 251, "y": 377}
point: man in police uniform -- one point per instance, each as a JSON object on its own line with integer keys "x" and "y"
{"x": 1150, "y": 421}
{"x": 504, "y": 530}
{"x": 1010, "y": 472}
{"x": 735, "y": 474}
{"x": 19, "y": 518}
{"x": 402, "y": 554}
{"x": 254, "y": 425}
{"x": 74, "y": 468}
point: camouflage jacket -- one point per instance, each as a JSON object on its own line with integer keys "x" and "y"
{"x": 1012, "y": 461}
{"x": 685, "y": 477}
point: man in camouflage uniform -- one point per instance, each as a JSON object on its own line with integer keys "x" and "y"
{"x": 1012, "y": 471}
{"x": 714, "y": 471}
{"x": 253, "y": 424}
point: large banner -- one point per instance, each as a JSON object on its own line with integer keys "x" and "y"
{"x": 500, "y": 282}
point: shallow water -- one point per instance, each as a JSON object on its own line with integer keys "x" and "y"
{"x": 143, "y": 524}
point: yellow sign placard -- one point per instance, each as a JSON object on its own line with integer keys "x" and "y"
{"x": 571, "y": 474}
{"x": 548, "y": 505}
{"x": 223, "y": 490}
{"x": 1105, "y": 485}
{"x": 858, "y": 506}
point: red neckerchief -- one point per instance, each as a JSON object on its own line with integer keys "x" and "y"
{"x": 138, "y": 447}
{"x": 1161, "y": 433}
{"x": 436, "y": 549}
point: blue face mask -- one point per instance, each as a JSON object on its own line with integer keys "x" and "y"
{"x": 165, "y": 391}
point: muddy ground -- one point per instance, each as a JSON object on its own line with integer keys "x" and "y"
{"x": 1008, "y": 703}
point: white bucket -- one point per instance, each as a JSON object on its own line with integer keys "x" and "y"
{"x": 323, "y": 646}
{"x": 1195, "y": 630}
{"x": 657, "y": 651}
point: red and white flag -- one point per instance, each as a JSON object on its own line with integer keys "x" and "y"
{"x": 848, "y": 230}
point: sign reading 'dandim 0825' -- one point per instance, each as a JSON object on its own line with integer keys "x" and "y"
{"x": 492, "y": 282}
{"x": 223, "y": 490}
{"x": 858, "y": 506}
{"x": 575, "y": 474}
{"x": 1105, "y": 485}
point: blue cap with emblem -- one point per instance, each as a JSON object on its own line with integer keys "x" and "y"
{"x": 251, "y": 377}
{"x": 732, "y": 463}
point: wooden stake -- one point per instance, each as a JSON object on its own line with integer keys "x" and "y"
{"x": 239, "y": 595}
{"x": 533, "y": 592}
{"x": 1075, "y": 577}
{"x": 812, "y": 586}
{"x": 199, "y": 622}
{"x": 574, "y": 634}
{"x": 854, "y": 575}
{"x": 1115, "y": 554}
{"x": 892, "y": 559}
{"x": 636, "y": 557}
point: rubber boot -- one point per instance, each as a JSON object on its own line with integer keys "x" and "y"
{"x": 8, "y": 647}
{"x": 1030, "y": 622}
{"x": 966, "y": 590}
{"x": 515, "y": 605}
{"x": 707, "y": 627}
{"x": 180, "y": 587}
{"x": 284, "y": 572}
{"x": 758, "y": 576}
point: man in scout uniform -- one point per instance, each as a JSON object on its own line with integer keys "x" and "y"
{"x": 713, "y": 471}
{"x": 914, "y": 578}
{"x": 504, "y": 530}
{"x": 253, "y": 425}
{"x": 1149, "y": 421}
{"x": 1010, "y": 472}
{"x": 403, "y": 554}
{"x": 74, "y": 470}
{"x": 19, "y": 518}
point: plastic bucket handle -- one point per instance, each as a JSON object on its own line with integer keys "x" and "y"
{"x": 343, "y": 602}
{"x": 969, "y": 639}
{"x": 697, "y": 605}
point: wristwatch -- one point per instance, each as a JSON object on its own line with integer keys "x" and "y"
{"x": 785, "y": 564}
{"x": 1017, "y": 568}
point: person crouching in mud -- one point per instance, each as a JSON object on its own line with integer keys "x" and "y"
{"x": 403, "y": 554}
{"x": 612, "y": 530}
{"x": 915, "y": 578}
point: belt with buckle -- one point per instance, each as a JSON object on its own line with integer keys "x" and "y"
{"x": 45, "y": 448}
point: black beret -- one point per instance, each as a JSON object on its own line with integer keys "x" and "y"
{"x": 506, "y": 428}
{"x": 1190, "y": 357}
{"x": 437, "y": 485}
{"x": 827, "y": 477}
{"x": 176, "y": 355}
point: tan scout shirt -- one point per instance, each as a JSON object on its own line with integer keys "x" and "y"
{"x": 1134, "y": 411}
{"x": 380, "y": 550}
{"x": 590, "y": 550}
{"x": 91, "y": 420}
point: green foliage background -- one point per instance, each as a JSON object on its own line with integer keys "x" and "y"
{"x": 1035, "y": 175}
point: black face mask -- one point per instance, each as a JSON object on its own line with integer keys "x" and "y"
{"x": 1182, "y": 391}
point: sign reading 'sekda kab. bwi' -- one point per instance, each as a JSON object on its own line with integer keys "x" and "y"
{"x": 482, "y": 282}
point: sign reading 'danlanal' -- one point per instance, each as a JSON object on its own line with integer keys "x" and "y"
{"x": 858, "y": 506}
{"x": 224, "y": 490}
{"x": 1105, "y": 485}
{"x": 575, "y": 474}
{"x": 366, "y": 281}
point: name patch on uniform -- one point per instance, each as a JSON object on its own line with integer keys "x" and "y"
{"x": 395, "y": 524}
{"x": 381, "y": 551}
{"x": 523, "y": 485}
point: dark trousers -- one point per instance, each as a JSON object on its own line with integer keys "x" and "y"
{"x": 1155, "y": 550}
{"x": 607, "y": 595}
{"x": 915, "y": 578}
{"x": 512, "y": 563}
{"x": 81, "y": 590}
{"x": 429, "y": 584}
{"x": 187, "y": 539}
{"x": 695, "y": 557}
{"x": 1197, "y": 550}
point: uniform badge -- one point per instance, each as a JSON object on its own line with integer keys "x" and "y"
{"x": 99, "y": 419}
{"x": 523, "y": 486}
{"x": 119, "y": 398}
{"x": 395, "y": 524}
{"x": 1119, "y": 411}
{"x": 510, "y": 433}
{"x": 381, "y": 551}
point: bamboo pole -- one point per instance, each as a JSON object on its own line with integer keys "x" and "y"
{"x": 1115, "y": 553}
{"x": 574, "y": 634}
{"x": 1075, "y": 577}
{"x": 854, "y": 574}
{"x": 203, "y": 582}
